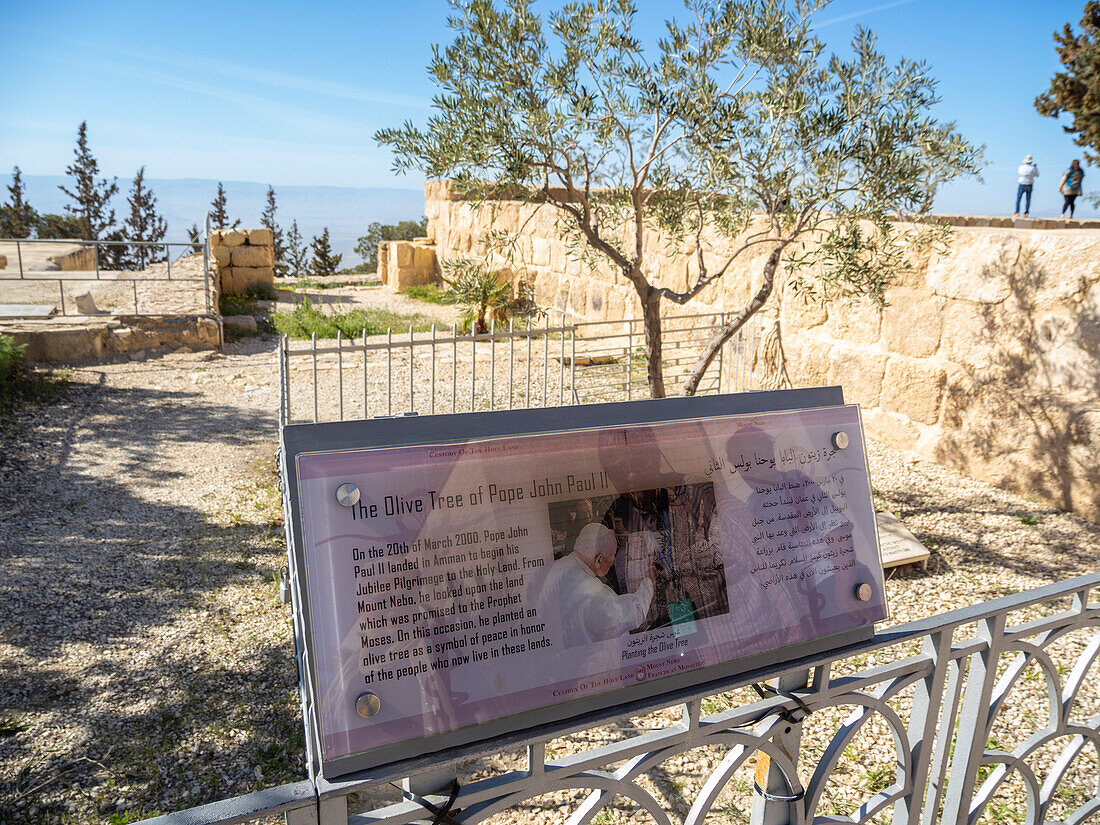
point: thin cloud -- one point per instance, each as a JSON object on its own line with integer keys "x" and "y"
{"x": 268, "y": 77}
{"x": 853, "y": 15}
{"x": 297, "y": 117}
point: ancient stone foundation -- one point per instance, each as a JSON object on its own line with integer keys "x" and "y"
{"x": 986, "y": 356}
{"x": 245, "y": 260}
{"x": 402, "y": 264}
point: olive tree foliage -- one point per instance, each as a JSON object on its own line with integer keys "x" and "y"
{"x": 734, "y": 133}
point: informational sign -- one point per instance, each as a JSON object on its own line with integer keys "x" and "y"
{"x": 456, "y": 584}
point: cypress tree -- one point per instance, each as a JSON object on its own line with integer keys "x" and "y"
{"x": 278, "y": 246}
{"x": 92, "y": 195}
{"x": 324, "y": 262}
{"x": 17, "y": 217}
{"x": 219, "y": 215}
{"x": 297, "y": 253}
{"x": 144, "y": 224}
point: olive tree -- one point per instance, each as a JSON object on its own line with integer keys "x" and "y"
{"x": 733, "y": 132}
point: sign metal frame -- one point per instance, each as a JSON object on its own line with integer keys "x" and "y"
{"x": 403, "y": 758}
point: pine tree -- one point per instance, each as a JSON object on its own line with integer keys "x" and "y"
{"x": 278, "y": 246}
{"x": 92, "y": 196}
{"x": 219, "y": 215}
{"x": 194, "y": 235}
{"x": 17, "y": 217}
{"x": 324, "y": 262}
{"x": 144, "y": 224}
{"x": 1074, "y": 91}
{"x": 297, "y": 253}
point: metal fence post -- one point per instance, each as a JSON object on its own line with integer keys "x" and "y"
{"x": 778, "y": 810}
{"x": 970, "y": 740}
{"x": 19, "y": 255}
{"x": 333, "y": 811}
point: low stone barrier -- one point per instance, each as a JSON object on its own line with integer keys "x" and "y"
{"x": 402, "y": 264}
{"x": 244, "y": 259}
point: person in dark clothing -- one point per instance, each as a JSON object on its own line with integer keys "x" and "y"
{"x": 1070, "y": 186}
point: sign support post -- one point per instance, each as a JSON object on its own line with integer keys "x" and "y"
{"x": 776, "y": 808}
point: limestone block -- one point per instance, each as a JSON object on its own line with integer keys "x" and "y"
{"x": 404, "y": 250}
{"x": 546, "y": 288}
{"x": 913, "y": 388}
{"x": 207, "y": 332}
{"x": 912, "y": 322}
{"x": 232, "y": 237}
{"x": 799, "y": 313}
{"x": 970, "y": 332}
{"x": 85, "y": 304}
{"x": 893, "y": 428}
{"x": 616, "y": 305}
{"x": 243, "y": 322}
{"x": 221, "y": 254}
{"x": 860, "y": 371}
{"x": 424, "y": 260}
{"x": 958, "y": 397}
{"x": 383, "y": 261}
{"x": 257, "y": 256}
{"x": 259, "y": 237}
{"x": 240, "y": 280}
{"x": 540, "y": 252}
{"x": 978, "y": 267}
{"x": 808, "y": 360}
{"x": 856, "y": 321}
{"x": 402, "y": 277}
{"x": 578, "y": 297}
{"x": 597, "y": 302}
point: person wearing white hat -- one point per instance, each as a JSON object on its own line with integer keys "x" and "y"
{"x": 1027, "y": 173}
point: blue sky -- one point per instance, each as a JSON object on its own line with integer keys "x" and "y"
{"x": 291, "y": 94}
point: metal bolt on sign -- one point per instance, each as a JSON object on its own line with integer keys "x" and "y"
{"x": 347, "y": 494}
{"x": 840, "y": 440}
{"x": 863, "y": 592}
{"x": 368, "y": 704}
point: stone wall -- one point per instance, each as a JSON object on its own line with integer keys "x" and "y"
{"x": 245, "y": 260}
{"x": 402, "y": 264}
{"x": 78, "y": 260}
{"x": 986, "y": 357}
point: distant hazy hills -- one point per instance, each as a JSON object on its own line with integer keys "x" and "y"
{"x": 345, "y": 211}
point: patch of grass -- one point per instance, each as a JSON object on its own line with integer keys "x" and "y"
{"x": 126, "y": 817}
{"x": 11, "y": 355}
{"x": 1029, "y": 519}
{"x": 25, "y": 386}
{"x": 431, "y": 293}
{"x": 11, "y": 725}
{"x": 236, "y": 305}
{"x": 308, "y": 319}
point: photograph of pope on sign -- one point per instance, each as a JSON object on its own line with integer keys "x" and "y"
{"x": 637, "y": 560}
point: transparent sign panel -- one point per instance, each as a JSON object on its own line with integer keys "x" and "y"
{"x": 474, "y": 581}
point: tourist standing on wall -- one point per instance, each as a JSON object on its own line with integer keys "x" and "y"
{"x": 1070, "y": 186}
{"x": 1027, "y": 173}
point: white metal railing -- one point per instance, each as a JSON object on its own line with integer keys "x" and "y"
{"x": 913, "y": 715}
{"x": 103, "y": 273}
{"x": 445, "y": 371}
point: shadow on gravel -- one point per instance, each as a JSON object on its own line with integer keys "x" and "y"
{"x": 1048, "y": 550}
{"x": 100, "y": 573}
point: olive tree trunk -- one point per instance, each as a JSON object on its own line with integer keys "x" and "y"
{"x": 651, "y": 321}
{"x": 691, "y": 385}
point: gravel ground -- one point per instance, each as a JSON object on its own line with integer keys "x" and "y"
{"x": 147, "y": 661}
